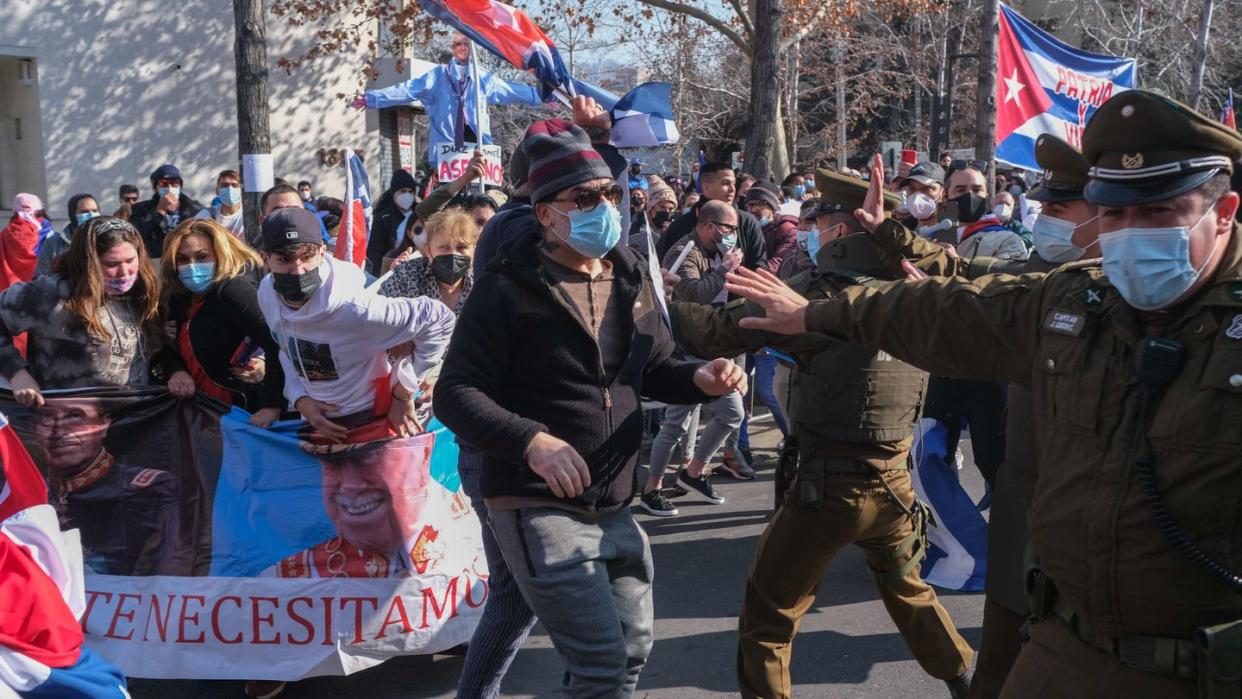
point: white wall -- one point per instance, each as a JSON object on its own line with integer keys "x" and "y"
{"x": 126, "y": 85}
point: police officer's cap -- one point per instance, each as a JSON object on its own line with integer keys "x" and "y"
{"x": 1143, "y": 148}
{"x": 842, "y": 194}
{"x": 1065, "y": 171}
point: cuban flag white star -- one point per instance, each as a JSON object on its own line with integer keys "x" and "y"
{"x": 1013, "y": 87}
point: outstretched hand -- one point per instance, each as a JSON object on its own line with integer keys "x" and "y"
{"x": 871, "y": 215}
{"x": 784, "y": 308}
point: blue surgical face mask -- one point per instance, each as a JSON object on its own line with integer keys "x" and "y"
{"x": 727, "y": 243}
{"x": 1054, "y": 239}
{"x": 85, "y": 216}
{"x": 165, "y": 191}
{"x": 800, "y": 237}
{"x": 593, "y": 233}
{"x": 230, "y": 195}
{"x": 763, "y": 222}
{"x": 1151, "y": 266}
{"x": 812, "y": 244}
{"x": 197, "y": 276}
{"x": 799, "y": 190}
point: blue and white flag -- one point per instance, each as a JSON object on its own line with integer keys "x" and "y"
{"x": 957, "y": 552}
{"x": 1044, "y": 85}
{"x": 643, "y": 118}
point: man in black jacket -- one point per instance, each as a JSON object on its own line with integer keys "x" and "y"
{"x": 544, "y": 375}
{"x": 167, "y": 207}
{"x": 719, "y": 184}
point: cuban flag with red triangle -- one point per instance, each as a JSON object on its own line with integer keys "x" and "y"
{"x": 1044, "y": 85}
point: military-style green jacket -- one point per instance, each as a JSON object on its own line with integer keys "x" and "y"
{"x": 1071, "y": 338}
{"x": 846, "y": 401}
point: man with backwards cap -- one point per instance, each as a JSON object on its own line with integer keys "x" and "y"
{"x": 1135, "y": 364}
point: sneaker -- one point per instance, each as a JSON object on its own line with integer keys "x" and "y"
{"x": 737, "y": 465}
{"x": 700, "y": 487}
{"x": 655, "y": 504}
{"x": 674, "y": 491}
{"x": 264, "y": 689}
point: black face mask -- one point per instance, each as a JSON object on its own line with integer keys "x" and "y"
{"x": 662, "y": 217}
{"x": 970, "y": 207}
{"x": 296, "y": 288}
{"x": 450, "y": 268}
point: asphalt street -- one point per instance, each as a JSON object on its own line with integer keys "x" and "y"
{"x": 847, "y": 646}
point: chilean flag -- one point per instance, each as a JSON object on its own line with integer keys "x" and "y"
{"x": 1226, "y": 113}
{"x": 1044, "y": 85}
{"x": 355, "y": 226}
{"x": 508, "y": 33}
{"x": 41, "y": 592}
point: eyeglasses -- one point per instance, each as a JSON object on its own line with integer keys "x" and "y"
{"x": 724, "y": 227}
{"x": 587, "y": 199}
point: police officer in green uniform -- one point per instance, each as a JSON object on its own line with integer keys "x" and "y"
{"x": 1135, "y": 367}
{"x": 853, "y": 412}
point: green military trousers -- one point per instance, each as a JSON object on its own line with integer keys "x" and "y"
{"x": 792, "y": 557}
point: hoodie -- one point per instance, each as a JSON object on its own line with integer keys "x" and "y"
{"x": 334, "y": 348}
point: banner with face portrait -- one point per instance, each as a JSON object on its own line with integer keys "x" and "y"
{"x": 217, "y": 550}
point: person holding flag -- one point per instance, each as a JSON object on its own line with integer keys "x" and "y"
{"x": 454, "y": 107}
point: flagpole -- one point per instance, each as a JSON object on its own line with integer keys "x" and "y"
{"x": 478, "y": 103}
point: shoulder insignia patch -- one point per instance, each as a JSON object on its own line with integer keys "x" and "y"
{"x": 1234, "y": 331}
{"x": 1064, "y": 322}
{"x": 146, "y": 477}
{"x": 1093, "y": 296}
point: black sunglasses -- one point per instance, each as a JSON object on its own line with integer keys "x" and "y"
{"x": 980, "y": 165}
{"x": 587, "y": 199}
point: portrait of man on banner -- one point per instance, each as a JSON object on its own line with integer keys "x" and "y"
{"x": 376, "y": 495}
{"x": 126, "y": 513}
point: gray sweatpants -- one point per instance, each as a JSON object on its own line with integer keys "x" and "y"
{"x": 721, "y": 430}
{"x": 588, "y": 579}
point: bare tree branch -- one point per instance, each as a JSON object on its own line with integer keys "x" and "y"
{"x": 706, "y": 18}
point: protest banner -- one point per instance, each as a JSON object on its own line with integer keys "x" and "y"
{"x": 451, "y": 162}
{"x": 217, "y": 550}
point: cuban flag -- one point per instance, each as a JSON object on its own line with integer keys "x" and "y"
{"x": 355, "y": 226}
{"x": 508, "y": 33}
{"x": 1044, "y": 85}
{"x": 957, "y": 541}
{"x": 1227, "y": 116}
{"x": 42, "y": 596}
{"x": 641, "y": 118}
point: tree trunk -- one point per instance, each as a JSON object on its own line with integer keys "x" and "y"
{"x": 763, "y": 140}
{"x": 1205, "y": 26}
{"x": 985, "y": 104}
{"x": 794, "y": 59}
{"x": 838, "y": 57}
{"x": 254, "y": 138}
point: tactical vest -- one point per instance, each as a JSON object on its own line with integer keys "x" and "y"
{"x": 846, "y": 393}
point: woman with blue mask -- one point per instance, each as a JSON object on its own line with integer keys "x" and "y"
{"x": 226, "y": 208}
{"x": 212, "y": 321}
{"x": 82, "y": 208}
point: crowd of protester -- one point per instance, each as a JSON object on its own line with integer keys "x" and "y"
{"x": 170, "y": 291}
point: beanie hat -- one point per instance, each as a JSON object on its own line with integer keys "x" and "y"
{"x": 658, "y": 191}
{"x": 401, "y": 179}
{"x": 561, "y": 156}
{"x": 765, "y": 194}
{"x": 167, "y": 171}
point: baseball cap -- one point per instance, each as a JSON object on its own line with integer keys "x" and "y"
{"x": 290, "y": 227}
{"x": 926, "y": 173}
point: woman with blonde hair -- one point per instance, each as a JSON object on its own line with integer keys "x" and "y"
{"x": 443, "y": 272}
{"x": 212, "y": 318}
{"x": 94, "y": 321}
